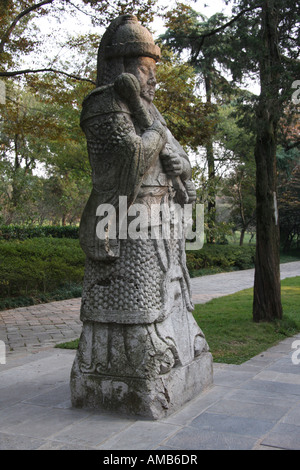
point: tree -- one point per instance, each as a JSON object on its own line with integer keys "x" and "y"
{"x": 267, "y": 300}
{"x": 289, "y": 207}
{"x": 238, "y": 144}
{"x": 47, "y": 122}
{"x": 19, "y": 35}
{"x": 22, "y": 123}
{"x": 271, "y": 43}
{"x": 264, "y": 41}
{"x": 189, "y": 31}
{"x": 239, "y": 188}
{"x": 43, "y": 129}
{"x": 188, "y": 117}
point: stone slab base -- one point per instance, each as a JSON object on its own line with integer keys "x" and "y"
{"x": 154, "y": 399}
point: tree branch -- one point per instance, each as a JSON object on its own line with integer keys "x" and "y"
{"x": 217, "y": 30}
{"x": 18, "y": 18}
{"x": 291, "y": 146}
{"x": 26, "y": 71}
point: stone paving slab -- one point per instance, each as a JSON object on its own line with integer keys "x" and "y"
{"x": 255, "y": 405}
{"x": 238, "y": 412}
{"x": 30, "y": 329}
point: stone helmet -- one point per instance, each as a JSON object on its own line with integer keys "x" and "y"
{"x": 124, "y": 38}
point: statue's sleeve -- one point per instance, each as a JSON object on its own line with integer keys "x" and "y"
{"x": 119, "y": 158}
{"x": 177, "y": 148}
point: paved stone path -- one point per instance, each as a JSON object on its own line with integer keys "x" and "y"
{"x": 252, "y": 406}
{"x": 209, "y": 287}
{"x": 30, "y": 329}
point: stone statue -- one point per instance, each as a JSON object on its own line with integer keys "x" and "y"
{"x": 141, "y": 352}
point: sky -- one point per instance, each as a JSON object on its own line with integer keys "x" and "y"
{"x": 52, "y": 29}
{"x": 71, "y": 25}
{"x": 206, "y": 7}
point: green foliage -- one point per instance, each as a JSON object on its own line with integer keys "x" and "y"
{"x": 289, "y": 199}
{"x": 39, "y": 265}
{"x": 188, "y": 117}
{"x": 22, "y": 232}
{"x": 45, "y": 131}
{"x": 221, "y": 258}
{"x": 69, "y": 345}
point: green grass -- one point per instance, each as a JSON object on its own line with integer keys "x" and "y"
{"x": 234, "y": 239}
{"x": 232, "y": 335}
{"x": 69, "y": 345}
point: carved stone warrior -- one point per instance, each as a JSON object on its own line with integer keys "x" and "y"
{"x": 140, "y": 352}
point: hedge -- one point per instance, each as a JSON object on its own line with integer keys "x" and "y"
{"x": 221, "y": 258}
{"x": 23, "y": 232}
{"x": 45, "y": 264}
{"x": 39, "y": 265}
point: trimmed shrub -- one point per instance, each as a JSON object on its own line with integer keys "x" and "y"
{"x": 34, "y": 268}
{"x": 39, "y": 265}
{"x": 220, "y": 258}
{"x": 22, "y": 232}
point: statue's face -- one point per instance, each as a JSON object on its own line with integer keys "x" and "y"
{"x": 144, "y": 68}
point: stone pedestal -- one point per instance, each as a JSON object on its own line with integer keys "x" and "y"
{"x": 152, "y": 398}
{"x": 141, "y": 351}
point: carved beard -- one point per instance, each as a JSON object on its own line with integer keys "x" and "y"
{"x": 148, "y": 93}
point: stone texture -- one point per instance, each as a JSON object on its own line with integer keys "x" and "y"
{"x": 153, "y": 397}
{"x": 36, "y": 386}
{"x": 141, "y": 351}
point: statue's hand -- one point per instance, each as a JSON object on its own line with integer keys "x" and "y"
{"x": 191, "y": 191}
{"x": 172, "y": 163}
{"x": 128, "y": 88}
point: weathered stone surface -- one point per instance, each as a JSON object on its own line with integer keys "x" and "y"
{"x": 141, "y": 352}
{"x": 152, "y": 397}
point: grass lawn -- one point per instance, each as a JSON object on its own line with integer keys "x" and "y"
{"x": 233, "y": 337}
{"x": 230, "y": 332}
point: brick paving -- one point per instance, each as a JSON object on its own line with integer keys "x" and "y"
{"x": 31, "y": 329}
{"x": 28, "y": 329}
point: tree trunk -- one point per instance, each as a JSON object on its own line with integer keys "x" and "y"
{"x": 242, "y": 236}
{"x": 267, "y": 296}
{"x": 211, "y": 206}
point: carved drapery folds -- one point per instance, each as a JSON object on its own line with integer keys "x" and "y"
{"x": 141, "y": 352}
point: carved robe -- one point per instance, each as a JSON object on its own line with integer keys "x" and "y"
{"x": 132, "y": 288}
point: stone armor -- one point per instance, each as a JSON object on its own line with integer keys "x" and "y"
{"x": 139, "y": 339}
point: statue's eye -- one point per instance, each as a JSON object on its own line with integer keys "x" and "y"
{"x": 144, "y": 70}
